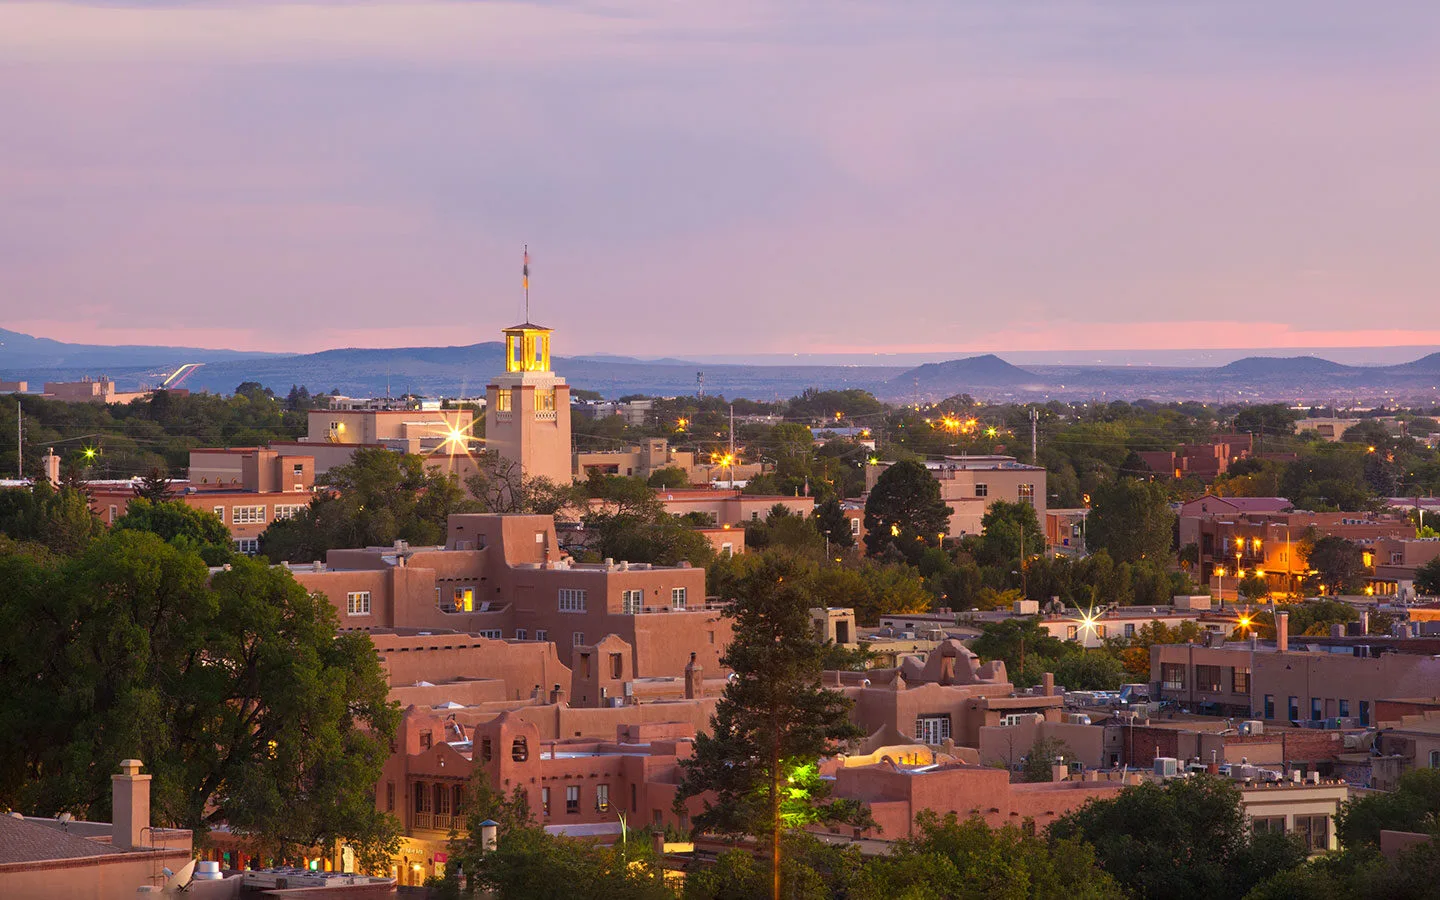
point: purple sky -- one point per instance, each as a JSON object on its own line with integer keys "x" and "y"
{"x": 723, "y": 177}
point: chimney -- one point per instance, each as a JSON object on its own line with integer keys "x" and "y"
{"x": 557, "y": 694}
{"x": 694, "y": 679}
{"x": 1282, "y": 632}
{"x": 1364, "y": 621}
{"x": 1048, "y": 684}
{"x": 52, "y": 467}
{"x": 130, "y": 800}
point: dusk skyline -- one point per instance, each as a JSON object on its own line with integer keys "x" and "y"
{"x": 722, "y": 178}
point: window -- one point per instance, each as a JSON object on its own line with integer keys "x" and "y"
{"x": 357, "y": 603}
{"x": 493, "y": 633}
{"x": 932, "y": 729}
{"x": 982, "y": 490}
{"x": 1435, "y": 759}
{"x": 541, "y": 634}
{"x": 114, "y": 511}
{"x": 389, "y": 796}
{"x": 297, "y": 470}
{"x": 247, "y": 515}
{"x": 1240, "y": 680}
{"x": 572, "y": 600}
{"x": 577, "y": 638}
{"x": 1269, "y": 706}
{"x": 1344, "y": 710}
{"x": 519, "y": 750}
{"x": 1172, "y": 676}
{"x": 727, "y": 549}
{"x": 1293, "y": 708}
{"x": 617, "y": 665}
{"x": 486, "y": 750}
{"x": 602, "y": 797}
{"x": 1129, "y": 629}
{"x": 1072, "y": 632}
{"x": 632, "y": 602}
{"x": 1268, "y": 825}
{"x": 754, "y": 516}
{"x": 677, "y": 598}
{"x": 426, "y": 739}
{"x": 1100, "y": 631}
{"x": 1316, "y": 708}
{"x": 1364, "y": 712}
{"x": 521, "y": 634}
{"x": 465, "y": 599}
{"x": 287, "y": 511}
{"x": 1314, "y": 831}
{"x": 544, "y": 801}
{"x": 248, "y": 546}
{"x": 504, "y": 400}
{"x": 1207, "y": 678}
{"x": 1027, "y": 492}
{"x": 572, "y": 798}
{"x": 855, "y": 526}
{"x": 545, "y": 400}
{"x": 220, "y": 513}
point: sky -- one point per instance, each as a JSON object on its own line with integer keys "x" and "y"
{"x": 728, "y": 177}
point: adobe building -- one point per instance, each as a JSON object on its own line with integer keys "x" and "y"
{"x": 969, "y": 484}
{"x": 247, "y": 487}
{"x": 1337, "y": 680}
{"x": 1206, "y": 461}
{"x": 527, "y": 409}
{"x": 90, "y": 390}
{"x": 504, "y": 577}
{"x": 644, "y": 460}
{"x": 41, "y": 859}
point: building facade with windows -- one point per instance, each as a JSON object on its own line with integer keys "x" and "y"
{"x": 969, "y": 484}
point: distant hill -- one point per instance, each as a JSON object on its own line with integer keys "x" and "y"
{"x": 1427, "y": 365}
{"x": 959, "y": 376}
{"x": 22, "y": 354}
{"x": 1279, "y": 366}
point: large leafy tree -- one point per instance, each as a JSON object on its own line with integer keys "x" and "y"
{"x": 904, "y": 514}
{"x": 237, "y": 694}
{"x": 60, "y": 520}
{"x": 181, "y": 525}
{"x": 1339, "y": 564}
{"x": 1011, "y": 533}
{"x": 375, "y": 499}
{"x": 1132, "y": 520}
{"x": 1427, "y": 578}
{"x": 756, "y": 768}
{"x": 1185, "y": 839}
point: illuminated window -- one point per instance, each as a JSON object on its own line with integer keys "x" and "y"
{"x": 357, "y": 603}
{"x": 283, "y": 511}
{"x": 545, "y": 801}
{"x": 1027, "y": 492}
{"x": 465, "y": 599}
{"x": 545, "y": 400}
{"x": 504, "y": 400}
{"x": 602, "y": 797}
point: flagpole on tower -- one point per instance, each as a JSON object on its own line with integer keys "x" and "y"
{"x": 525, "y": 281}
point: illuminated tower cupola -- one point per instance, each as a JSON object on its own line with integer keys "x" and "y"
{"x": 527, "y": 409}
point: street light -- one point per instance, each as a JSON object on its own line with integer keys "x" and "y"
{"x": 1220, "y": 583}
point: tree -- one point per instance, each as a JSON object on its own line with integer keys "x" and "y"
{"x": 669, "y": 477}
{"x": 1010, "y": 534}
{"x": 1414, "y": 805}
{"x": 235, "y": 690}
{"x": 1254, "y": 587}
{"x": 1186, "y": 839}
{"x": 60, "y": 520}
{"x": 181, "y": 525}
{"x": 1044, "y": 754}
{"x": 1012, "y": 640}
{"x": 1090, "y": 670}
{"x": 904, "y": 513}
{"x": 1427, "y": 578}
{"x": 632, "y": 524}
{"x": 500, "y": 486}
{"x": 1339, "y": 564}
{"x": 375, "y": 499}
{"x": 773, "y": 722}
{"x": 830, "y": 520}
{"x": 1132, "y": 520}
{"x": 154, "y": 486}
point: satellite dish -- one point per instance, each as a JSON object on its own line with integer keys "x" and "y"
{"x": 178, "y": 881}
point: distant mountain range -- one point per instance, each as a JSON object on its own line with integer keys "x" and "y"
{"x": 457, "y": 371}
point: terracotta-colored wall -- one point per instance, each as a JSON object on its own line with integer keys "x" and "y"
{"x": 88, "y": 878}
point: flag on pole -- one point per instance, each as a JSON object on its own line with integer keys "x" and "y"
{"x": 525, "y": 270}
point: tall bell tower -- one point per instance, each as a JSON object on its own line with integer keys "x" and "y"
{"x": 527, "y": 409}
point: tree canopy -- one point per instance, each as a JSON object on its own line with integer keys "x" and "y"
{"x": 904, "y": 513}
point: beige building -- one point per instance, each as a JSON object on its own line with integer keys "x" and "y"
{"x": 646, "y": 459}
{"x": 527, "y": 409}
{"x": 409, "y": 430}
{"x": 969, "y": 484}
{"x": 90, "y": 390}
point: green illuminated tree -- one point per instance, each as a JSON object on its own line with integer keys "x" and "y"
{"x": 756, "y": 769}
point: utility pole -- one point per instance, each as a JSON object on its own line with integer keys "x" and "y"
{"x": 19, "y": 439}
{"x": 732, "y": 446}
{"x": 1034, "y": 432}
